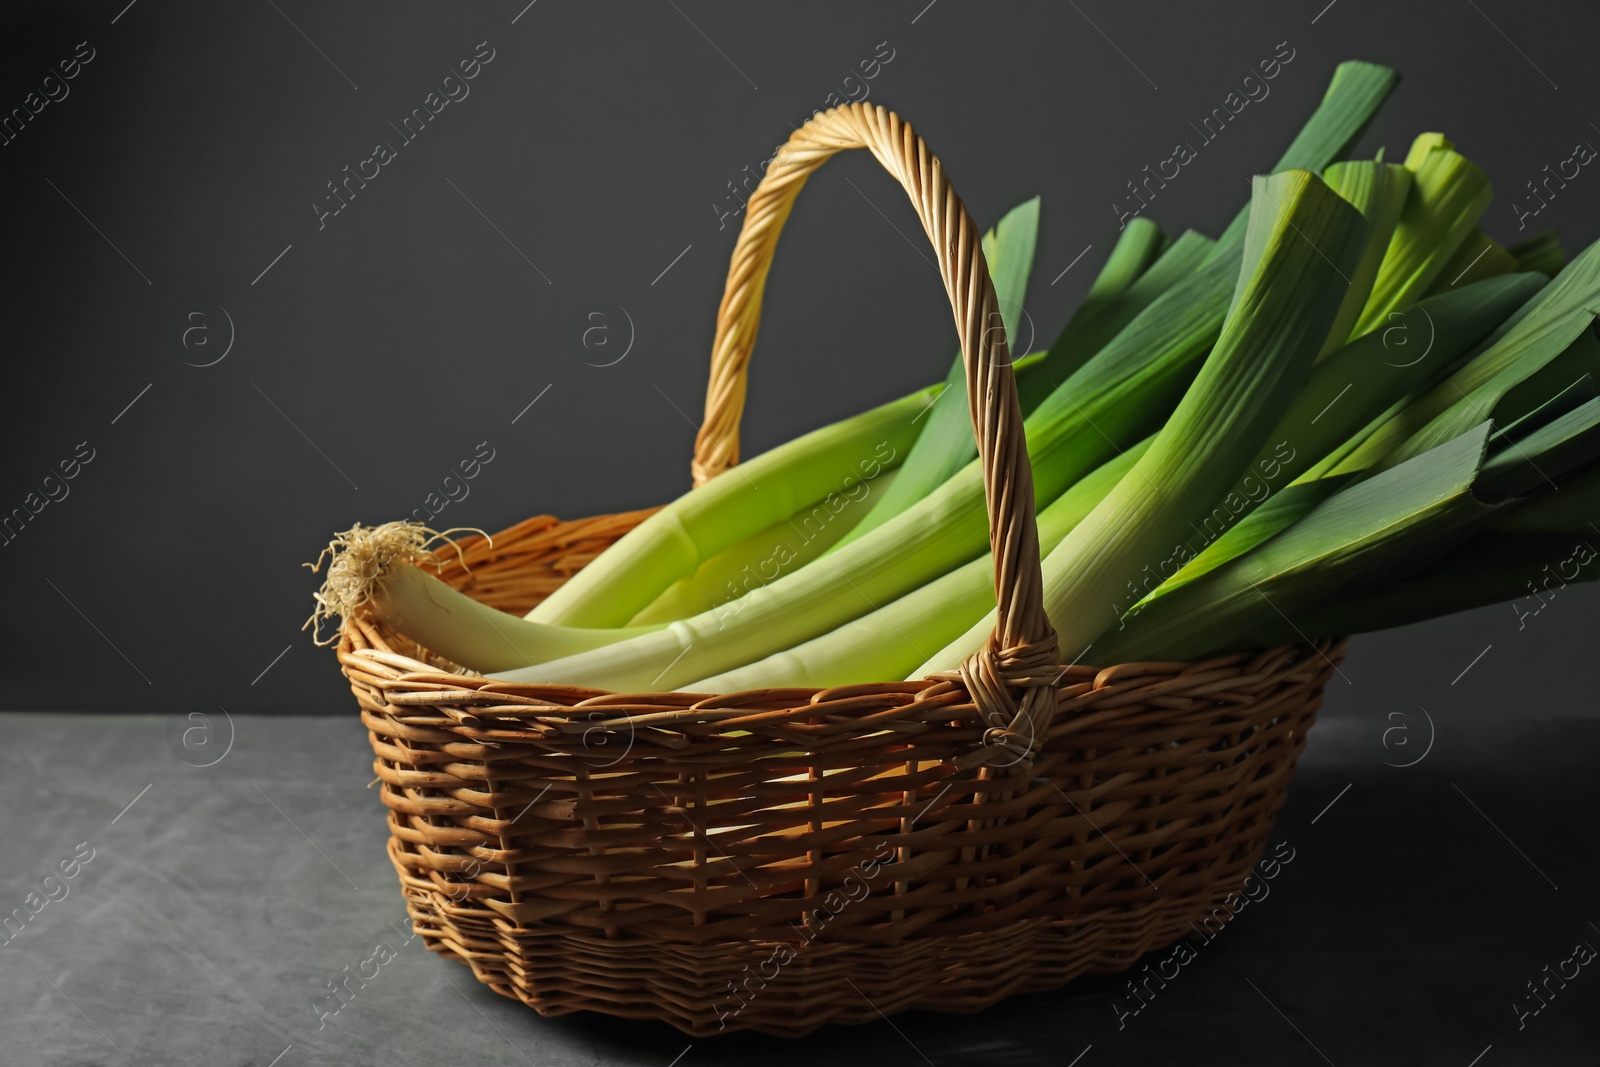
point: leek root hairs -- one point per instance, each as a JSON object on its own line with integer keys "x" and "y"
{"x": 359, "y": 558}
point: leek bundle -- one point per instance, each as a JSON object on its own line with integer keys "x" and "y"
{"x": 1353, "y": 409}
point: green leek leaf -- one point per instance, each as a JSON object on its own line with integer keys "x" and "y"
{"x": 1567, "y": 442}
{"x": 1374, "y": 532}
{"x": 1379, "y": 191}
{"x": 1448, "y": 195}
{"x": 1545, "y": 327}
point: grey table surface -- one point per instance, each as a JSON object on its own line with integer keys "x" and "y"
{"x": 1442, "y": 827}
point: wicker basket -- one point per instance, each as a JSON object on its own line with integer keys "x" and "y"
{"x": 779, "y": 859}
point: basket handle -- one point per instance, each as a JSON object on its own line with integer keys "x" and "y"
{"x": 1012, "y": 679}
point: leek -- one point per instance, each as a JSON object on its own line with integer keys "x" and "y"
{"x": 381, "y": 568}
{"x": 676, "y": 540}
{"x": 1375, "y": 531}
{"x": 1342, "y": 393}
{"x": 1448, "y": 195}
{"x": 1302, "y": 243}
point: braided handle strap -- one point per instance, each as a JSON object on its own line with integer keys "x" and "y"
{"x": 1012, "y": 679}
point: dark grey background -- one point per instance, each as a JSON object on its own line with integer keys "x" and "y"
{"x": 1441, "y": 815}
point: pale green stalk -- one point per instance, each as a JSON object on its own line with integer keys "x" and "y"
{"x": 755, "y": 494}
{"x": 480, "y": 638}
{"x": 780, "y": 549}
{"x": 377, "y": 571}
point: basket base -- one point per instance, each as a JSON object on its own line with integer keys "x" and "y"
{"x": 790, "y": 990}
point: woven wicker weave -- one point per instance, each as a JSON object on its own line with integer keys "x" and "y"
{"x": 778, "y": 859}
